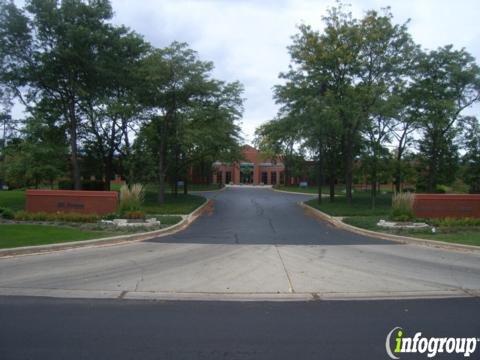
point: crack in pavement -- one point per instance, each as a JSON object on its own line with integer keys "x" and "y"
{"x": 141, "y": 274}
{"x": 290, "y": 284}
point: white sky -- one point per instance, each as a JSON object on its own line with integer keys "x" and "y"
{"x": 247, "y": 39}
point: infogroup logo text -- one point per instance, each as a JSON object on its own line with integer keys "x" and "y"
{"x": 429, "y": 346}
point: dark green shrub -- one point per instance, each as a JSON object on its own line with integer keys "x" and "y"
{"x": 6, "y": 213}
{"x": 455, "y": 222}
{"x": 93, "y": 185}
{"x": 56, "y": 217}
{"x": 110, "y": 216}
{"x": 137, "y": 214}
{"x": 88, "y": 185}
{"x": 442, "y": 189}
{"x": 65, "y": 185}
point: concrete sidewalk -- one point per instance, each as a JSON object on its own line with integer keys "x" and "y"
{"x": 243, "y": 272}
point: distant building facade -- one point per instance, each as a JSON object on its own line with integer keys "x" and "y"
{"x": 255, "y": 169}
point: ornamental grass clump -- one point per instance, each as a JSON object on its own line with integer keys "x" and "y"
{"x": 402, "y": 206}
{"x": 131, "y": 198}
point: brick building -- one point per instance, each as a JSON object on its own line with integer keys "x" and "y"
{"x": 255, "y": 168}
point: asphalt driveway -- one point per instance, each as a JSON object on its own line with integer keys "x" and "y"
{"x": 263, "y": 216}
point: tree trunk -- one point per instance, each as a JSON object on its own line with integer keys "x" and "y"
{"x": 320, "y": 176}
{"x": 331, "y": 178}
{"x": 373, "y": 180}
{"x": 108, "y": 171}
{"x": 348, "y": 170}
{"x": 398, "y": 177}
{"x": 72, "y": 127}
{"x": 319, "y": 185}
{"x": 161, "y": 174}
{"x": 432, "y": 171}
{"x": 185, "y": 186}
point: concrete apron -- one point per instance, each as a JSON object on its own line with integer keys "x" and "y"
{"x": 164, "y": 271}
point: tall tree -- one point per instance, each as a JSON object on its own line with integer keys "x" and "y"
{"x": 52, "y": 49}
{"x": 113, "y": 109}
{"x": 471, "y": 158}
{"x": 349, "y": 70}
{"x": 445, "y": 83}
{"x": 175, "y": 82}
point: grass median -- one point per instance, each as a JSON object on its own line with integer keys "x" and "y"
{"x": 360, "y": 214}
{"x": 309, "y": 189}
{"x": 15, "y": 235}
{"x": 30, "y": 233}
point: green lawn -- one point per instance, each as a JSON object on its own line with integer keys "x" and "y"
{"x": 461, "y": 235}
{"x": 180, "y": 204}
{"x": 340, "y": 190}
{"x": 203, "y": 187}
{"x": 361, "y": 214}
{"x": 361, "y": 205}
{"x": 15, "y": 235}
{"x": 13, "y": 199}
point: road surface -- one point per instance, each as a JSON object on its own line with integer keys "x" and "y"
{"x": 50, "y": 329}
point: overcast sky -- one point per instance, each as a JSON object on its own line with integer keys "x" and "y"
{"x": 247, "y": 39}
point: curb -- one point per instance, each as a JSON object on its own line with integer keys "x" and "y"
{"x": 294, "y": 192}
{"x": 108, "y": 241}
{"x": 383, "y": 236}
{"x": 206, "y": 191}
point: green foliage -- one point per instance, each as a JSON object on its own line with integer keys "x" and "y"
{"x": 134, "y": 214}
{"x": 87, "y": 185}
{"x": 462, "y": 235}
{"x": 6, "y": 213}
{"x": 198, "y": 121}
{"x": 471, "y": 159}
{"x": 342, "y": 90}
{"x": 442, "y": 189}
{"x": 402, "y": 207}
{"x": 455, "y": 222}
{"x": 56, "y": 217}
{"x": 110, "y": 216}
{"x": 131, "y": 198}
{"x": 445, "y": 82}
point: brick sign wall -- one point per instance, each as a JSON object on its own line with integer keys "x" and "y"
{"x": 86, "y": 202}
{"x": 447, "y": 205}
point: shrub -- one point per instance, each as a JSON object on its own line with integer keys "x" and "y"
{"x": 131, "y": 199}
{"x": 455, "y": 222}
{"x": 110, "y": 216}
{"x": 89, "y": 185}
{"x": 6, "y": 213}
{"x": 402, "y": 206}
{"x": 63, "y": 217}
{"x": 442, "y": 189}
{"x": 136, "y": 214}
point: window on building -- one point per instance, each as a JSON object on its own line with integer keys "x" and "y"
{"x": 219, "y": 177}
{"x": 273, "y": 177}
{"x": 264, "y": 177}
{"x": 282, "y": 178}
{"x": 228, "y": 177}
